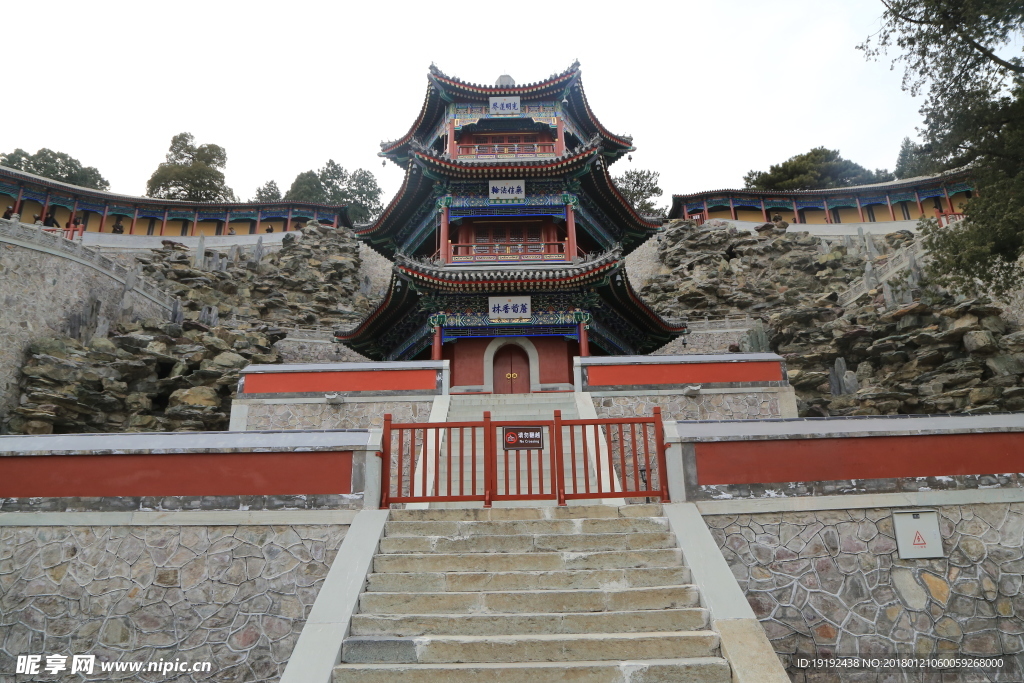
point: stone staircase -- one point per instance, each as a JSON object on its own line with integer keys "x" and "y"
{"x": 526, "y": 407}
{"x": 588, "y": 594}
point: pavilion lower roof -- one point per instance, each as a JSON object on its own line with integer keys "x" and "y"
{"x": 507, "y": 279}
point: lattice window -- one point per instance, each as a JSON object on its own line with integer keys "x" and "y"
{"x": 514, "y": 139}
{"x": 530, "y": 138}
{"x": 533, "y": 241}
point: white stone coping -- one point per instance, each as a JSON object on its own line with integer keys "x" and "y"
{"x": 179, "y": 518}
{"x": 704, "y": 391}
{"x": 347, "y": 367}
{"x": 191, "y": 442}
{"x": 859, "y": 501}
{"x": 685, "y": 358}
{"x": 841, "y": 427}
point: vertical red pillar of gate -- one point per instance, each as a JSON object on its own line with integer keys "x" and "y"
{"x": 385, "y": 466}
{"x": 451, "y": 139}
{"x": 103, "y": 219}
{"x": 828, "y": 216}
{"x": 445, "y": 245}
{"x": 135, "y": 218}
{"x": 195, "y": 222}
{"x": 46, "y": 205}
{"x": 920, "y": 207}
{"x": 570, "y": 231}
{"x": 860, "y": 209}
{"x": 892, "y": 212}
{"x": 18, "y": 202}
{"x": 948, "y": 202}
{"x": 796, "y": 213}
{"x": 558, "y": 458}
{"x": 732, "y": 209}
{"x": 764, "y": 212}
{"x": 560, "y": 138}
{"x": 584, "y": 341}
{"x": 659, "y": 431}
{"x": 163, "y": 223}
{"x": 490, "y": 460}
{"x": 435, "y": 348}
{"x": 288, "y": 222}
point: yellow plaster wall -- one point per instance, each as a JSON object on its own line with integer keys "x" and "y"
{"x": 849, "y": 215}
{"x": 959, "y": 200}
{"x": 814, "y": 216}
{"x": 752, "y": 215}
{"x": 720, "y": 212}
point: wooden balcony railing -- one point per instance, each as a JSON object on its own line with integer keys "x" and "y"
{"x": 508, "y": 251}
{"x": 524, "y": 149}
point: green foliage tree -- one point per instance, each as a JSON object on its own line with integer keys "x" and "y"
{"x": 268, "y": 192}
{"x": 640, "y": 188}
{"x": 191, "y": 173}
{"x": 818, "y": 169}
{"x": 913, "y": 161}
{"x": 332, "y": 184}
{"x": 957, "y": 54}
{"x": 56, "y": 166}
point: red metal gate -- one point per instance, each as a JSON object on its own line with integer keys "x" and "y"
{"x": 579, "y": 459}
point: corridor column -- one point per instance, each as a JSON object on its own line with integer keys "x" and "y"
{"x": 445, "y": 246}
{"x": 435, "y": 348}
{"x": 570, "y": 231}
{"x": 584, "y": 341}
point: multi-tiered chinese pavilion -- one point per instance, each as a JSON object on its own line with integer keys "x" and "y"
{"x": 508, "y": 237}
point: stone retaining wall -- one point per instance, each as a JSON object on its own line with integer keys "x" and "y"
{"x": 831, "y": 583}
{"x": 39, "y": 292}
{"x": 298, "y": 350}
{"x": 353, "y": 415}
{"x": 724, "y": 406}
{"x": 712, "y": 341}
{"x": 235, "y": 596}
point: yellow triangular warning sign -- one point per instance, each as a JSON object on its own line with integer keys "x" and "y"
{"x": 919, "y": 539}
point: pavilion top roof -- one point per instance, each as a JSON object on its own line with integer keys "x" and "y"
{"x": 566, "y": 87}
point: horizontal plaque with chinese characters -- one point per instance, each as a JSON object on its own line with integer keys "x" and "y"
{"x": 523, "y": 438}
{"x": 509, "y": 308}
{"x": 504, "y": 105}
{"x": 507, "y": 191}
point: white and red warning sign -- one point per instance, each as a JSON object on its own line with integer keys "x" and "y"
{"x": 523, "y": 438}
{"x": 917, "y": 534}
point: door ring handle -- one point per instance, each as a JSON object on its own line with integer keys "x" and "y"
{"x": 508, "y": 375}
{"x": 515, "y": 375}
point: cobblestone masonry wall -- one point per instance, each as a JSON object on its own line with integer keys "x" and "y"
{"x": 831, "y": 582}
{"x": 38, "y": 293}
{"x": 353, "y": 415}
{"x": 733, "y": 406}
{"x": 233, "y": 596}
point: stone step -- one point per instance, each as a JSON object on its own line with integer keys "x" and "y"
{"x": 554, "y": 512}
{"x": 692, "y": 670}
{"x": 614, "y": 525}
{"x": 528, "y": 648}
{"x": 608, "y": 579}
{"x": 524, "y": 543}
{"x": 536, "y": 561}
{"x": 682, "y": 619}
{"x": 512, "y": 602}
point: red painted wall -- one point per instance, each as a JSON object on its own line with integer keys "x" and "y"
{"x": 176, "y": 474}
{"x": 683, "y": 373}
{"x": 369, "y": 380}
{"x": 467, "y": 359}
{"x": 878, "y": 457}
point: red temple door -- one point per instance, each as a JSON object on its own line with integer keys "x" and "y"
{"x": 511, "y": 371}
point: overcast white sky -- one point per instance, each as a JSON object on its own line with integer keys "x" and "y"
{"x": 708, "y": 90}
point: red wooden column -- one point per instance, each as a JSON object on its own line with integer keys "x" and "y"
{"x": 259, "y": 212}
{"x": 892, "y": 212}
{"x": 686, "y": 212}
{"x": 584, "y": 341}
{"x": 46, "y": 205}
{"x": 435, "y": 348}
{"x": 445, "y": 247}
{"x": 163, "y": 225}
{"x": 796, "y": 213}
{"x": 732, "y": 209}
{"x": 103, "y": 219}
{"x": 570, "y": 231}
{"x": 18, "y": 202}
{"x": 764, "y": 212}
{"x": 71, "y": 220}
{"x": 860, "y": 209}
{"x": 920, "y": 207}
{"x": 195, "y": 222}
{"x": 706, "y": 212}
{"x": 288, "y": 223}
{"x": 452, "y": 151}
{"x": 335, "y": 223}
{"x": 560, "y": 140}
{"x": 948, "y": 202}
{"x": 828, "y": 215}
{"x": 135, "y": 217}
